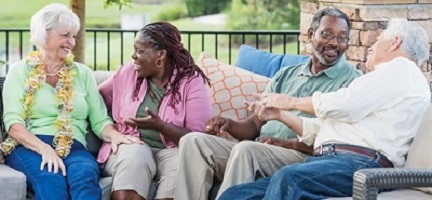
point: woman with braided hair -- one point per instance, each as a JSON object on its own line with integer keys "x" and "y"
{"x": 47, "y": 99}
{"x": 158, "y": 98}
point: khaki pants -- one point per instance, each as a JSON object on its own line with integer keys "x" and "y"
{"x": 205, "y": 157}
{"x": 136, "y": 165}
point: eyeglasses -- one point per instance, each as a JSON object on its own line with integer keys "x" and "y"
{"x": 341, "y": 39}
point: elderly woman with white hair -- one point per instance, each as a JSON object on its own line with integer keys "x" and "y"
{"x": 47, "y": 100}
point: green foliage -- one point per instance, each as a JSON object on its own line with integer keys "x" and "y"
{"x": 205, "y": 7}
{"x": 172, "y": 12}
{"x": 264, "y": 15}
{"x": 120, "y": 3}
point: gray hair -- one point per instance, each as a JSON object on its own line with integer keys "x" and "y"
{"x": 414, "y": 38}
{"x": 334, "y": 12}
{"x": 50, "y": 16}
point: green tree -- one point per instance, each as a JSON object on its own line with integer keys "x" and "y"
{"x": 78, "y": 7}
{"x": 120, "y": 3}
{"x": 263, "y": 15}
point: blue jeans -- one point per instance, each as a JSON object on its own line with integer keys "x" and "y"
{"x": 81, "y": 181}
{"x": 318, "y": 178}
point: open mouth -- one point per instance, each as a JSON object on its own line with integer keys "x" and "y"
{"x": 66, "y": 50}
{"x": 331, "y": 53}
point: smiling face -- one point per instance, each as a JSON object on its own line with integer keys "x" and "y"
{"x": 378, "y": 52}
{"x": 60, "y": 42}
{"x": 328, "y": 50}
{"x": 145, "y": 57}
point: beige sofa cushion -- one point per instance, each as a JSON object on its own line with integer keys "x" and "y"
{"x": 230, "y": 87}
{"x": 101, "y": 76}
{"x": 420, "y": 153}
{"x": 12, "y": 183}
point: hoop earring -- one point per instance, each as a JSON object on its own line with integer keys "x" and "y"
{"x": 159, "y": 63}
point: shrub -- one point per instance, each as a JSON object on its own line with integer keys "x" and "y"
{"x": 171, "y": 13}
{"x": 205, "y": 7}
{"x": 264, "y": 15}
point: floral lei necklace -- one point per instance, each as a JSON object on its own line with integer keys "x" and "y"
{"x": 64, "y": 93}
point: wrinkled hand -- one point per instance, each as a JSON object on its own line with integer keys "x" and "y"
{"x": 273, "y": 141}
{"x": 151, "y": 122}
{"x": 118, "y": 138}
{"x": 218, "y": 126}
{"x": 262, "y": 112}
{"x": 53, "y": 162}
{"x": 274, "y": 100}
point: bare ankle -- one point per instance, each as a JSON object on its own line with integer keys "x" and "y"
{"x": 126, "y": 195}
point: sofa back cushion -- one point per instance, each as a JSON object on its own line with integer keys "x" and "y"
{"x": 264, "y": 63}
{"x": 94, "y": 142}
{"x": 230, "y": 86}
{"x": 419, "y": 156}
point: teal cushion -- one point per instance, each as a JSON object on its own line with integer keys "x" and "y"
{"x": 293, "y": 59}
{"x": 264, "y": 63}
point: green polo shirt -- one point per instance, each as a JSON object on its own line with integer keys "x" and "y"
{"x": 298, "y": 81}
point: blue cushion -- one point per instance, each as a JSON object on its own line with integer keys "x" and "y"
{"x": 264, "y": 63}
{"x": 293, "y": 59}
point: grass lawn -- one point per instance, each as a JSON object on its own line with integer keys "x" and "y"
{"x": 97, "y": 16}
{"x": 17, "y": 13}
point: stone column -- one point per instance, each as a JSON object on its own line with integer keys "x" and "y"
{"x": 368, "y": 18}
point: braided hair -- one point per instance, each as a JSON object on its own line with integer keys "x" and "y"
{"x": 163, "y": 35}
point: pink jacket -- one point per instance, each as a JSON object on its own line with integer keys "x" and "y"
{"x": 191, "y": 112}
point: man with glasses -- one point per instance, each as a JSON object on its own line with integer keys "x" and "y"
{"x": 204, "y": 157}
{"x": 369, "y": 124}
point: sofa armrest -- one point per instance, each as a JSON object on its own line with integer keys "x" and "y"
{"x": 12, "y": 184}
{"x": 367, "y": 182}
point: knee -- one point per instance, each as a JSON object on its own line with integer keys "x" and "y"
{"x": 191, "y": 139}
{"x": 135, "y": 157}
{"x": 84, "y": 170}
{"x": 286, "y": 175}
{"x": 243, "y": 149}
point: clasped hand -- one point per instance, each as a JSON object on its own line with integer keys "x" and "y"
{"x": 218, "y": 126}
{"x": 265, "y": 106}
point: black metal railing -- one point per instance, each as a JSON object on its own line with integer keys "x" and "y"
{"x": 106, "y": 49}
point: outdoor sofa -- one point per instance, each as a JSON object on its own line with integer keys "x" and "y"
{"x": 230, "y": 86}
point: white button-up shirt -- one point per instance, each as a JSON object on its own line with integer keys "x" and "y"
{"x": 381, "y": 110}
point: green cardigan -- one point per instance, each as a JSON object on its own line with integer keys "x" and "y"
{"x": 86, "y": 103}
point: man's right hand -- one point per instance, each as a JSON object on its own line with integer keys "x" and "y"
{"x": 218, "y": 126}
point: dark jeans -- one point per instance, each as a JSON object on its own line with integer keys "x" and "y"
{"x": 81, "y": 181}
{"x": 318, "y": 178}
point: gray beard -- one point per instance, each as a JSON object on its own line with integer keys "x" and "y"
{"x": 322, "y": 60}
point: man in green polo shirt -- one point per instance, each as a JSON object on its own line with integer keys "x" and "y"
{"x": 204, "y": 157}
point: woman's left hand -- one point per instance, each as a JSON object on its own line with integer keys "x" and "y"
{"x": 118, "y": 138}
{"x": 151, "y": 122}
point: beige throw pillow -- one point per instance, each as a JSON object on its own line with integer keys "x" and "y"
{"x": 230, "y": 86}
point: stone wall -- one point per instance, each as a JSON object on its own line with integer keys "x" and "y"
{"x": 368, "y": 18}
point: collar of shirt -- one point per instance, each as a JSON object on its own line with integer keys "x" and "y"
{"x": 331, "y": 72}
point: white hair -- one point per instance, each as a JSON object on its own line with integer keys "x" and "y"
{"x": 51, "y": 16}
{"x": 415, "y": 40}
